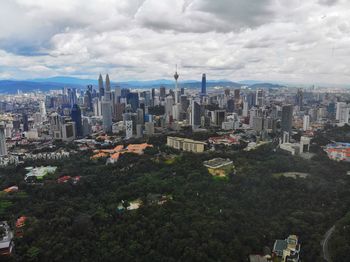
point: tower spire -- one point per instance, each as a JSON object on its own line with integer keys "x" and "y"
{"x": 176, "y": 76}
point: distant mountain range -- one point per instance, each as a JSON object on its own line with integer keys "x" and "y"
{"x": 46, "y": 84}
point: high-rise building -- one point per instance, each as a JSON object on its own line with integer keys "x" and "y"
{"x": 107, "y": 115}
{"x": 204, "y": 85}
{"x": 3, "y": 148}
{"x": 237, "y": 94}
{"x": 230, "y": 105}
{"x": 133, "y": 100}
{"x": 101, "y": 90}
{"x": 176, "y": 77}
{"x": 195, "y": 115}
{"x": 260, "y": 97}
{"x": 306, "y": 122}
{"x": 25, "y": 122}
{"x": 128, "y": 129}
{"x": 162, "y": 92}
{"x": 149, "y": 128}
{"x": 287, "y": 118}
{"x": 68, "y": 131}
{"x": 342, "y": 112}
{"x": 76, "y": 117}
{"x": 42, "y": 110}
{"x": 219, "y": 116}
{"x": 299, "y": 98}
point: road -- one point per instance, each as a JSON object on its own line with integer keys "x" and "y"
{"x": 324, "y": 244}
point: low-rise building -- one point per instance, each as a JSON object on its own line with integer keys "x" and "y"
{"x": 288, "y": 249}
{"x": 338, "y": 151}
{"x": 6, "y": 240}
{"x": 185, "y": 144}
{"x": 38, "y": 173}
{"x": 219, "y": 166}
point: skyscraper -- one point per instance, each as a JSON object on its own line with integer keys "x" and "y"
{"x": 101, "y": 89}
{"x": 133, "y": 100}
{"x": 204, "y": 85}
{"x": 299, "y": 98}
{"x": 195, "y": 115}
{"x": 3, "y": 149}
{"x": 306, "y": 122}
{"x": 108, "y": 88}
{"x": 25, "y": 122}
{"x": 260, "y": 97}
{"x": 162, "y": 92}
{"x": 76, "y": 117}
{"x": 176, "y": 77}
{"x": 287, "y": 118}
{"x": 107, "y": 107}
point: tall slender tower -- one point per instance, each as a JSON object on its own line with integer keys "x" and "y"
{"x": 204, "y": 85}
{"x": 108, "y": 88}
{"x": 3, "y": 149}
{"x": 107, "y": 107}
{"x": 101, "y": 89}
{"x": 176, "y": 76}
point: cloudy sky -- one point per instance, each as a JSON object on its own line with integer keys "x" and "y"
{"x": 301, "y": 41}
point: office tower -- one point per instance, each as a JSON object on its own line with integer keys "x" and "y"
{"x": 162, "y": 92}
{"x": 42, "y": 110}
{"x": 176, "y": 77}
{"x": 72, "y": 97}
{"x": 128, "y": 129}
{"x": 88, "y": 98}
{"x": 107, "y": 107}
{"x": 25, "y": 122}
{"x": 133, "y": 100}
{"x": 76, "y": 118}
{"x": 86, "y": 127}
{"x": 169, "y": 102}
{"x": 119, "y": 111}
{"x": 342, "y": 112}
{"x": 97, "y": 106}
{"x": 299, "y": 98}
{"x": 287, "y": 118}
{"x": 149, "y": 128}
{"x": 56, "y": 122}
{"x": 107, "y": 115}
{"x": 185, "y": 103}
{"x": 108, "y": 88}
{"x": 230, "y": 105}
{"x": 195, "y": 115}
{"x": 124, "y": 92}
{"x": 153, "y": 93}
{"x": 260, "y": 97}
{"x": 101, "y": 90}
{"x": 68, "y": 131}
{"x": 227, "y": 92}
{"x": 204, "y": 85}
{"x": 219, "y": 116}
{"x": 182, "y": 91}
{"x": 139, "y": 131}
{"x": 306, "y": 122}
{"x": 245, "y": 109}
{"x": 251, "y": 99}
{"x": 237, "y": 94}
{"x": 3, "y": 149}
{"x": 258, "y": 123}
{"x": 176, "y": 111}
{"x": 140, "y": 116}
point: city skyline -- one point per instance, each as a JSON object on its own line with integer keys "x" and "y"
{"x": 268, "y": 40}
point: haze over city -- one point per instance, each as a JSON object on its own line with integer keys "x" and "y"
{"x": 304, "y": 42}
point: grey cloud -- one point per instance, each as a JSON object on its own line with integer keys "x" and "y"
{"x": 328, "y": 2}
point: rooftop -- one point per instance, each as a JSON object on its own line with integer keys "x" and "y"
{"x": 217, "y": 163}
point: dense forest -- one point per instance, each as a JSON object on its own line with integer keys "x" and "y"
{"x": 205, "y": 219}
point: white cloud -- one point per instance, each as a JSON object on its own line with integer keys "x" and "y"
{"x": 143, "y": 39}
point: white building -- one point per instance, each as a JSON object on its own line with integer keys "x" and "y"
{"x": 306, "y": 122}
